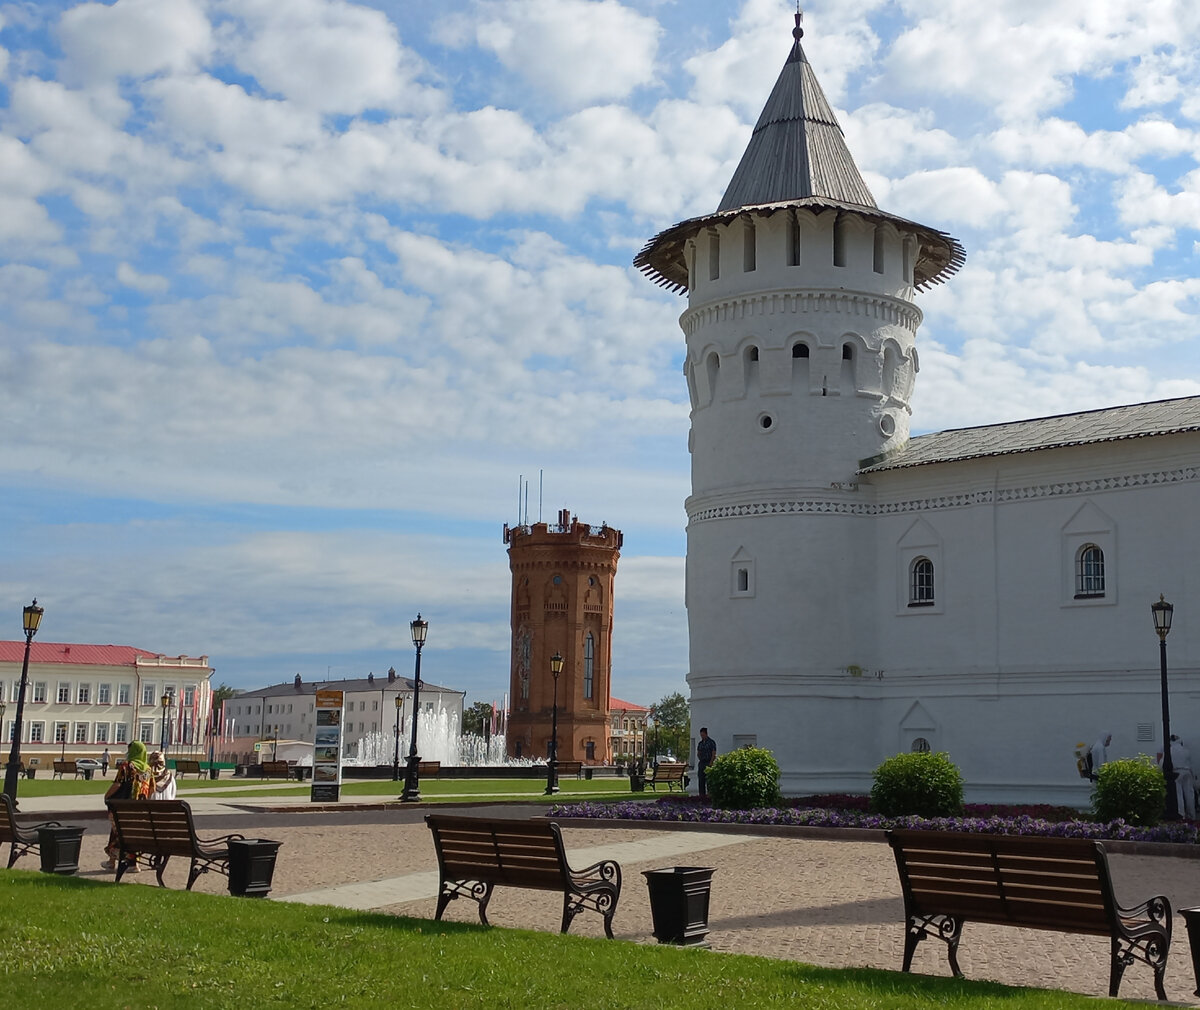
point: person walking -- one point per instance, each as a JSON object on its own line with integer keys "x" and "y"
{"x": 1185, "y": 780}
{"x": 706, "y": 754}
{"x": 104, "y": 761}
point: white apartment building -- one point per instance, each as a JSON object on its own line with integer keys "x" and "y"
{"x": 83, "y": 699}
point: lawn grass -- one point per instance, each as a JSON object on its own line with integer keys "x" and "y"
{"x": 432, "y": 789}
{"x": 72, "y": 942}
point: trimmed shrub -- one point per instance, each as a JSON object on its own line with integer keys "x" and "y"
{"x": 1133, "y": 789}
{"x": 925, "y": 784}
{"x": 744, "y": 779}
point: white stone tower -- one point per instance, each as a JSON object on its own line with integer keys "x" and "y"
{"x": 801, "y": 357}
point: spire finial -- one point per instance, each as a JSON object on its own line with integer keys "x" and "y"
{"x": 798, "y": 32}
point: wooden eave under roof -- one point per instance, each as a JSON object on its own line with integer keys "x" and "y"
{"x": 662, "y": 260}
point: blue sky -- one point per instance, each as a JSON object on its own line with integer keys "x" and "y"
{"x": 291, "y": 294}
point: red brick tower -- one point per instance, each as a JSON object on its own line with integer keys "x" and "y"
{"x": 562, "y": 601}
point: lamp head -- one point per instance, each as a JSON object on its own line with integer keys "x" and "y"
{"x": 1162, "y": 612}
{"x": 165, "y": 700}
{"x": 419, "y": 630}
{"x": 399, "y": 702}
{"x": 556, "y": 665}
{"x": 31, "y": 618}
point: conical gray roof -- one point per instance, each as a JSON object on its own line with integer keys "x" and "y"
{"x": 797, "y": 158}
{"x": 797, "y": 149}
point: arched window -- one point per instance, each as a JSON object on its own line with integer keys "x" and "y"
{"x": 714, "y": 256}
{"x": 1089, "y": 572}
{"x": 920, "y": 746}
{"x": 920, "y": 583}
{"x": 748, "y": 247}
{"x": 589, "y": 666}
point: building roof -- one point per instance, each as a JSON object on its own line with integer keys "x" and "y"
{"x": 797, "y": 158}
{"x": 797, "y": 148}
{"x": 79, "y": 655}
{"x": 356, "y": 685}
{"x": 617, "y": 705}
{"x": 1111, "y": 424}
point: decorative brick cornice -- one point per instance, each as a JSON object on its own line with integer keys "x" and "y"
{"x": 821, "y": 301}
{"x": 948, "y": 501}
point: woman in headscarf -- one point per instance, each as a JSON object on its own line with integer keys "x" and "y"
{"x": 134, "y": 781}
{"x": 164, "y": 778}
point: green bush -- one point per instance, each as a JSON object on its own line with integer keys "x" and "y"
{"x": 925, "y": 784}
{"x": 1133, "y": 789}
{"x": 744, "y": 779}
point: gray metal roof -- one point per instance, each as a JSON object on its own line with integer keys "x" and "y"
{"x": 797, "y": 149}
{"x": 357, "y": 685}
{"x": 797, "y": 158}
{"x": 1112, "y": 424}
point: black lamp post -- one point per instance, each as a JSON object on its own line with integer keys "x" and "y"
{"x": 32, "y": 618}
{"x": 166, "y": 704}
{"x": 1163, "y": 612}
{"x": 654, "y": 716}
{"x": 396, "y": 753}
{"x": 556, "y": 665}
{"x": 412, "y": 778}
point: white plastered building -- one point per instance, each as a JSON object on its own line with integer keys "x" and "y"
{"x": 852, "y": 592}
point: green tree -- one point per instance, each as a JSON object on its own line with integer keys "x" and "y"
{"x": 222, "y": 693}
{"x": 476, "y": 717}
{"x": 672, "y": 721}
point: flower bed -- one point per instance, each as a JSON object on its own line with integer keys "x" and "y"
{"x": 999, "y": 823}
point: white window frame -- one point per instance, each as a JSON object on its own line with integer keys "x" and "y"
{"x": 922, "y": 582}
{"x": 102, "y": 732}
{"x": 120, "y": 732}
{"x": 146, "y": 731}
{"x": 81, "y": 726}
{"x": 104, "y": 694}
{"x": 37, "y": 732}
{"x": 124, "y": 693}
{"x": 83, "y": 693}
{"x": 61, "y": 731}
{"x": 149, "y": 694}
{"x": 1089, "y": 576}
{"x": 1089, "y": 526}
{"x": 63, "y": 694}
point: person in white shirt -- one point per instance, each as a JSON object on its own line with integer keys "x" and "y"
{"x": 1185, "y": 780}
{"x": 1099, "y": 752}
{"x": 164, "y": 778}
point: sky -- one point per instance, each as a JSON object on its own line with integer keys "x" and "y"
{"x": 294, "y": 295}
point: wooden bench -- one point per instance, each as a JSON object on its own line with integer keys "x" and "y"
{"x": 275, "y": 770}
{"x": 22, "y": 838}
{"x": 152, "y": 831}
{"x": 570, "y": 768}
{"x": 1063, "y": 884}
{"x": 184, "y": 766}
{"x": 429, "y": 768}
{"x": 476, "y": 853}
{"x": 670, "y": 772}
{"x": 62, "y": 768}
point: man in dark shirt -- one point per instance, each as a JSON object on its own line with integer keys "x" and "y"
{"x": 706, "y": 754}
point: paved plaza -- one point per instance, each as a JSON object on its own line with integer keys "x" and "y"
{"x": 831, "y": 901}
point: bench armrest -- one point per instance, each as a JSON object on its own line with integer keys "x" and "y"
{"x": 607, "y": 872}
{"x": 1150, "y": 915}
{"x": 218, "y": 841}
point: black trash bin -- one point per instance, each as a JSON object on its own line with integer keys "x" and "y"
{"x": 679, "y": 904}
{"x": 251, "y": 866}
{"x": 1191, "y": 917}
{"x": 59, "y": 848}
{"x": 87, "y": 774}
{"x": 214, "y": 772}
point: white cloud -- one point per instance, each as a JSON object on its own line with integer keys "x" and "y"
{"x": 148, "y": 284}
{"x": 324, "y": 55}
{"x": 133, "y": 38}
{"x": 573, "y": 52}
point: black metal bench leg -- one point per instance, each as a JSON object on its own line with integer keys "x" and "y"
{"x": 483, "y": 904}
{"x": 1116, "y": 968}
{"x": 444, "y": 898}
{"x": 13, "y": 853}
{"x": 912, "y": 936}
{"x": 160, "y": 864}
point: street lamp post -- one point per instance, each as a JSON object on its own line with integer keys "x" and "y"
{"x": 166, "y": 704}
{"x": 412, "y": 778}
{"x": 556, "y": 666}
{"x": 274, "y": 741}
{"x": 1163, "y": 612}
{"x": 396, "y": 753}
{"x": 32, "y": 617}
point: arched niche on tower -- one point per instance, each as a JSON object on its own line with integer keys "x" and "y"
{"x": 555, "y": 595}
{"x": 748, "y": 356}
{"x": 706, "y": 374}
{"x": 857, "y": 366}
{"x": 801, "y": 348}
{"x": 896, "y": 380}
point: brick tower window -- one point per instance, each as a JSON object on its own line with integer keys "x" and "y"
{"x": 589, "y": 666}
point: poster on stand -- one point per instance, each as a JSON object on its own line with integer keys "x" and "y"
{"x": 327, "y": 748}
